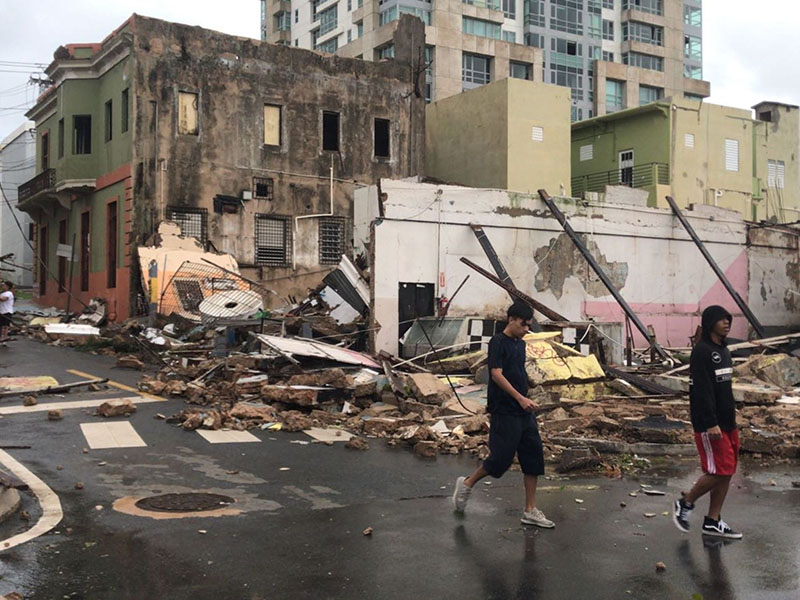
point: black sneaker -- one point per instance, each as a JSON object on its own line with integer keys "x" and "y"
{"x": 719, "y": 529}
{"x": 681, "y": 511}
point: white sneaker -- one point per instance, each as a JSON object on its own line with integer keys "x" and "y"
{"x": 536, "y": 517}
{"x": 461, "y": 495}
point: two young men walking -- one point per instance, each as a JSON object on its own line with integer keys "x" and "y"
{"x": 513, "y": 428}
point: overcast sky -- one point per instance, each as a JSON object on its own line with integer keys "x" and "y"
{"x": 746, "y": 45}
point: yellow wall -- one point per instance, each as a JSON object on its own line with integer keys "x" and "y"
{"x": 466, "y": 137}
{"x": 699, "y": 174}
{"x": 777, "y": 140}
{"x": 533, "y": 165}
{"x": 484, "y": 137}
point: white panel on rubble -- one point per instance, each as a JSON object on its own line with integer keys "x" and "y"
{"x": 111, "y": 435}
{"x": 218, "y": 436}
{"x": 328, "y": 434}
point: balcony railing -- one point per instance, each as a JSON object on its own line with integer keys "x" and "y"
{"x": 639, "y": 176}
{"x": 43, "y": 181}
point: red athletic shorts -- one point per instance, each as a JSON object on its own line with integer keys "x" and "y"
{"x": 718, "y": 456}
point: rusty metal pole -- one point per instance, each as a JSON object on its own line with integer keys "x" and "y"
{"x": 562, "y": 219}
{"x": 757, "y": 327}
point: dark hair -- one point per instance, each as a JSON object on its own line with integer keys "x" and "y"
{"x": 520, "y": 310}
{"x": 9, "y": 284}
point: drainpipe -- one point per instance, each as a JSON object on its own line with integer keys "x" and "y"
{"x": 296, "y": 219}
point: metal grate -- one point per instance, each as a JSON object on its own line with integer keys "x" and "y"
{"x": 189, "y": 293}
{"x": 192, "y": 221}
{"x": 263, "y": 187}
{"x": 273, "y": 240}
{"x": 331, "y": 240}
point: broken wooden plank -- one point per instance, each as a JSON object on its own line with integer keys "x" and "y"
{"x": 57, "y": 389}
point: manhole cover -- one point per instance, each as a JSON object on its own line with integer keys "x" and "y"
{"x": 191, "y": 502}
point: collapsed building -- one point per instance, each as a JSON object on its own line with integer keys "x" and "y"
{"x": 253, "y": 149}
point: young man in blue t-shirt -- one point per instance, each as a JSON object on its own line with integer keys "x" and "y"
{"x": 513, "y": 428}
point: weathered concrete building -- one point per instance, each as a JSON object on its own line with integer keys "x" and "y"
{"x": 697, "y": 152}
{"x": 511, "y": 134}
{"x": 425, "y": 229}
{"x": 17, "y": 165}
{"x": 253, "y": 148}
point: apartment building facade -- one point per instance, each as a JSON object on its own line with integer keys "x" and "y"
{"x": 253, "y": 149}
{"x": 697, "y": 152}
{"x": 612, "y": 54}
{"x": 17, "y": 165}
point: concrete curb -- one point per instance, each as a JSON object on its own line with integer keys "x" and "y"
{"x": 9, "y": 503}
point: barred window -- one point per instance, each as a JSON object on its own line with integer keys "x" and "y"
{"x": 192, "y": 221}
{"x": 263, "y": 188}
{"x": 273, "y": 235}
{"x": 331, "y": 240}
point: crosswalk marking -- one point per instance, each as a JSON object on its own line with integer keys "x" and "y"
{"x": 227, "y": 437}
{"x": 111, "y": 435}
{"x": 14, "y": 410}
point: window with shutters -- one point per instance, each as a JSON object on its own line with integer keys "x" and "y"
{"x": 192, "y": 221}
{"x": 776, "y": 171}
{"x": 273, "y": 235}
{"x": 688, "y": 140}
{"x": 587, "y": 152}
{"x": 537, "y": 134}
{"x": 731, "y": 155}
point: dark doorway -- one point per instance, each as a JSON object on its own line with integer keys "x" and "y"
{"x": 85, "y": 251}
{"x": 62, "y": 261}
{"x": 413, "y": 300}
{"x": 43, "y": 260}
{"x": 112, "y": 233}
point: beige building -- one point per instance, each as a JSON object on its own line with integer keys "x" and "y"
{"x": 511, "y": 135}
{"x": 697, "y": 152}
{"x": 611, "y": 54}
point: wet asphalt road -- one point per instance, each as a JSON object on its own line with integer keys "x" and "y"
{"x": 299, "y": 532}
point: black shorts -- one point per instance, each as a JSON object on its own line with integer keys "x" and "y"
{"x": 5, "y": 319}
{"x": 510, "y": 435}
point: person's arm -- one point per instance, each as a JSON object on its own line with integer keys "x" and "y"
{"x": 6, "y": 296}
{"x": 505, "y": 385}
{"x": 703, "y": 393}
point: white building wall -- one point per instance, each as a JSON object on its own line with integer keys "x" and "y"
{"x": 425, "y": 231}
{"x": 17, "y": 165}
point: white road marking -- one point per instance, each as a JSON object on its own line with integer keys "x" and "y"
{"x": 227, "y": 437}
{"x": 15, "y": 410}
{"x": 111, "y": 435}
{"x": 48, "y": 500}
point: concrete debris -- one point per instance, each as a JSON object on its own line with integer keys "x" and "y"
{"x": 357, "y": 443}
{"x": 429, "y": 389}
{"x": 130, "y": 362}
{"x": 55, "y": 415}
{"x": 117, "y": 407}
{"x": 29, "y": 401}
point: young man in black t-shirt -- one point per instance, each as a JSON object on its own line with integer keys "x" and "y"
{"x": 513, "y": 428}
{"x": 713, "y": 414}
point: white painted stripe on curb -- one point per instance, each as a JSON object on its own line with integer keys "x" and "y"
{"x": 15, "y": 410}
{"x": 48, "y": 500}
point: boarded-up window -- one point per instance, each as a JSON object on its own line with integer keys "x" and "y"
{"x": 272, "y": 125}
{"x": 587, "y": 152}
{"x": 273, "y": 240}
{"x": 537, "y": 134}
{"x": 688, "y": 140}
{"x": 187, "y": 113}
{"x": 192, "y": 221}
{"x": 731, "y": 155}
{"x": 331, "y": 240}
